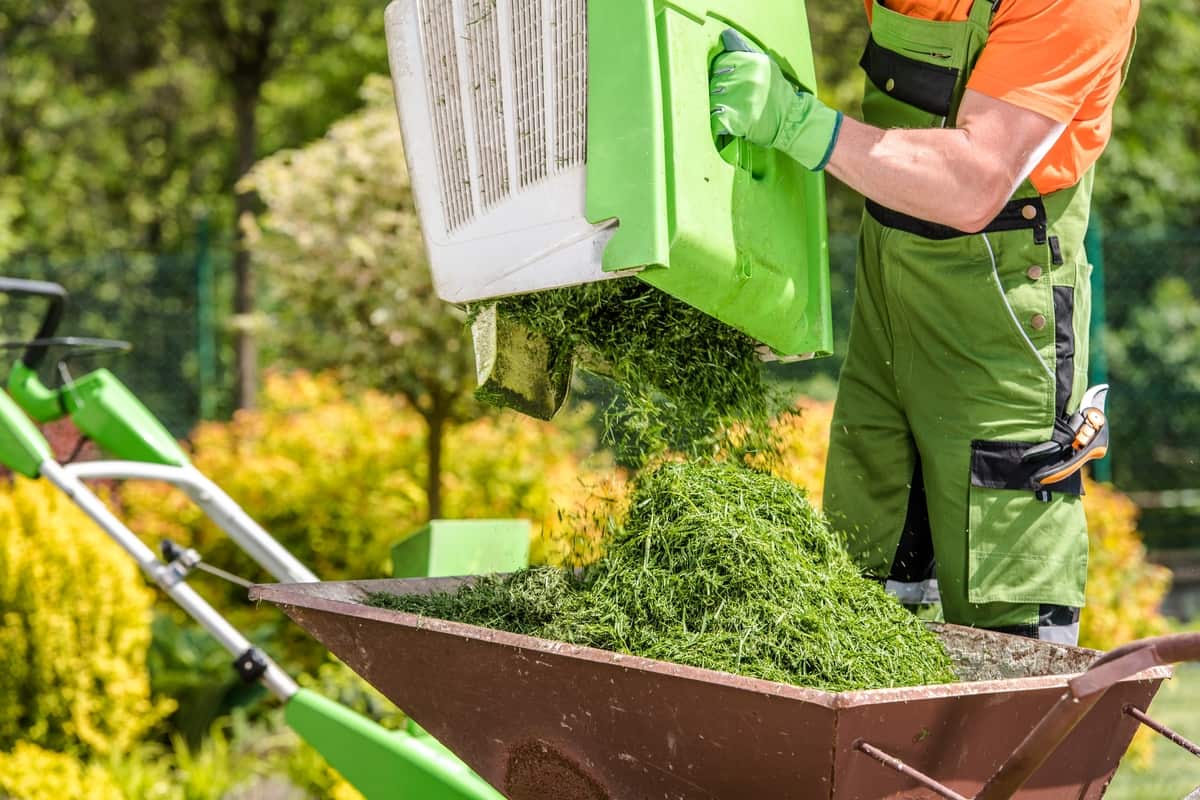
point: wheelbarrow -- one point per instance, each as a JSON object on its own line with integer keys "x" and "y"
{"x": 543, "y": 720}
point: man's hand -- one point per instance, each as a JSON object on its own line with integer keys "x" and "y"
{"x": 752, "y": 99}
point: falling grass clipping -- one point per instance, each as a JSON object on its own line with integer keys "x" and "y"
{"x": 685, "y": 378}
{"x": 720, "y": 567}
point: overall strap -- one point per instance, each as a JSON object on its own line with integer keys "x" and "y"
{"x": 979, "y": 25}
{"x": 982, "y": 12}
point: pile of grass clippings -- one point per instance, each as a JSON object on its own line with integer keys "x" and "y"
{"x": 721, "y": 567}
{"x": 685, "y": 378}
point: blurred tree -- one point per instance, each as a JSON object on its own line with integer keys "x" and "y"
{"x": 1155, "y": 355}
{"x": 247, "y": 43}
{"x": 1146, "y": 178}
{"x": 121, "y": 121}
{"x": 341, "y": 245}
{"x": 106, "y": 143}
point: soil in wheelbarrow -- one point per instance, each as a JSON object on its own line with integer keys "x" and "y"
{"x": 715, "y": 566}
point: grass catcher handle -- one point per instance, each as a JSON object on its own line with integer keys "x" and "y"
{"x": 57, "y": 295}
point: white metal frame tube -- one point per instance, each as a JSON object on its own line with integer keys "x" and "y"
{"x": 215, "y": 503}
{"x": 170, "y": 580}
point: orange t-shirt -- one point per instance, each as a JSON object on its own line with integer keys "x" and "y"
{"x": 1060, "y": 58}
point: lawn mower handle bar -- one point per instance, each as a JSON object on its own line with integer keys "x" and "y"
{"x": 57, "y": 297}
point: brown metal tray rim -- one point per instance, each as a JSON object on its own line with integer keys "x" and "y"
{"x": 284, "y": 595}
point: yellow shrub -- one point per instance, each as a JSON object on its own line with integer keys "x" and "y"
{"x": 31, "y": 773}
{"x": 330, "y": 476}
{"x": 76, "y": 627}
{"x": 1124, "y": 590}
{"x": 338, "y": 478}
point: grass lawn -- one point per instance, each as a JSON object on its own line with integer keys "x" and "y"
{"x": 1174, "y": 772}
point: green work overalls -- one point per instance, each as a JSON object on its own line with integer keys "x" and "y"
{"x": 964, "y": 352}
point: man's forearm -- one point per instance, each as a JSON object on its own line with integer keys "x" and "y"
{"x": 936, "y": 174}
{"x": 959, "y": 176}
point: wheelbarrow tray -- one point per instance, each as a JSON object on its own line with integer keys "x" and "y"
{"x": 540, "y": 719}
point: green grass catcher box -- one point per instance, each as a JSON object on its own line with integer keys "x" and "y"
{"x": 558, "y": 142}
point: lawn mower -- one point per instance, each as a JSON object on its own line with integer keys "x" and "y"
{"x": 378, "y": 762}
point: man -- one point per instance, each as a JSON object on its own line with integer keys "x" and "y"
{"x": 968, "y": 345}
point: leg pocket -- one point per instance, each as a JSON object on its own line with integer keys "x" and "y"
{"x": 1021, "y": 549}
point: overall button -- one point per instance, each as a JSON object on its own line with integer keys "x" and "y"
{"x": 891, "y": 84}
{"x": 1034, "y": 273}
{"x": 1038, "y": 322}
{"x": 1028, "y": 212}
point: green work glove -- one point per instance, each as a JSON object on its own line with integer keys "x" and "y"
{"x": 752, "y": 99}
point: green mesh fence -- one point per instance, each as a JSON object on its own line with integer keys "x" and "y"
{"x": 168, "y": 306}
{"x": 1153, "y": 347}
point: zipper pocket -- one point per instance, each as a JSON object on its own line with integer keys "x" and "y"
{"x": 927, "y": 53}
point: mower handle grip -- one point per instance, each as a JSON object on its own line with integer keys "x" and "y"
{"x": 57, "y": 297}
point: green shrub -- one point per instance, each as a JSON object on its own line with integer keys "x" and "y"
{"x": 75, "y": 629}
{"x": 236, "y": 759}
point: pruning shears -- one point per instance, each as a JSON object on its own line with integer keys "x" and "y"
{"x": 1084, "y": 439}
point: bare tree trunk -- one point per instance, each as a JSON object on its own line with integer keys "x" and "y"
{"x": 436, "y": 421}
{"x": 245, "y": 345}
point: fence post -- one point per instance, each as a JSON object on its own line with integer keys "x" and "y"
{"x": 206, "y": 348}
{"x": 1097, "y": 358}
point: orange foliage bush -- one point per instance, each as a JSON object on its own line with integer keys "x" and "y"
{"x": 1124, "y": 590}
{"x": 339, "y": 478}
{"x": 803, "y": 445}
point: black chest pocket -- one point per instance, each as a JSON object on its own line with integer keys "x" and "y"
{"x": 917, "y": 83}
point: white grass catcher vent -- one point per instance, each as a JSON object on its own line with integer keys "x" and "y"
{"x": 493, "y": 105}
{"x": 559, "y": 142}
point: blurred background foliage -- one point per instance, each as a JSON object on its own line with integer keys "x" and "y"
{"x": 223, "y": 182}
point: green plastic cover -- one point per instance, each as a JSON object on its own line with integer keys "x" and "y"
{"x": 450, "y": 548}
{"x": 23, "y": 448}
{"x": 739, "y": 233}
{"x": 104, "y": 409}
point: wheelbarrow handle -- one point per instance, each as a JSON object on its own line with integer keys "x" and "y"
{"x": 1083, "y": 693}
{"x": 1171, "y": 649}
